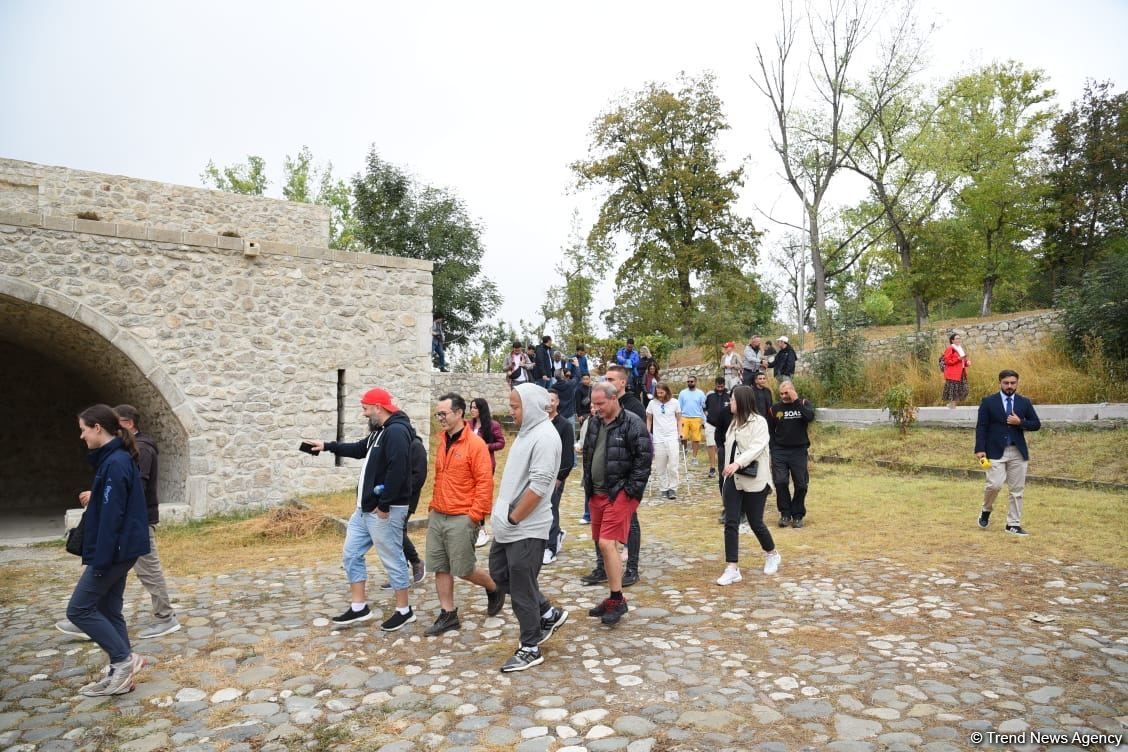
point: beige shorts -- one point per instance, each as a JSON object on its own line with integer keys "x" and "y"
{"x": 710, "y": 435}
{"x": 450, "y": 544}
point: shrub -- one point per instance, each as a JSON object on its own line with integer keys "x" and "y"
{"x": 901, "y": 406}
{"x": 92, "y": 216}
{"x": 839, "y": 365}
{"x": 878, "y": 308}
{"x": 1097, "y": 307}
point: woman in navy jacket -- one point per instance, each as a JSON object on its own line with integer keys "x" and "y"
{"x": 115, "y": 534}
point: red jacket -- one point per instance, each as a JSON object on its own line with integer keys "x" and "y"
{"x": 954, "y": 365}
{"x": 463, "y": 477}
{"x": 494, "y": 437}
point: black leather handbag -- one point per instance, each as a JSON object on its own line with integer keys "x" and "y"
{"x": 75, "y": 536}
{"x": 753, "y": 468}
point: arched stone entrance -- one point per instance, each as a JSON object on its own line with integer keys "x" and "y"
{"x": 56, "y": 358}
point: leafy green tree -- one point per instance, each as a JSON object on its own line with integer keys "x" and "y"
{"x": 1088, "y": 183}
{"x": 568, "y": 306}
{"x": 306, "y": 183}
{"x": 669, "y": 199}
{"x": 248, "y": 178}
{"x": 396, "y": 215}
{"x": 1097, "y": 309}
{"x": 998, "y": 114}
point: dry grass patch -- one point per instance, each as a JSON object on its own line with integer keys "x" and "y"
{"x": 20, "y": 583}
{"x": 1080, "y": 453}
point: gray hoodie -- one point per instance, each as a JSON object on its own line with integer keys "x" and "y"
{"x": 533, "y": 461}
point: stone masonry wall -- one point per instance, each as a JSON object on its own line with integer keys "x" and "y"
{"x": 491, "y": 386}
{"x": 64, "y": 193}
{"x": 232, "y": 359}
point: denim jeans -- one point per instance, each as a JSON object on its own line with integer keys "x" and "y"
{"x": 95, "y": 608}
{"x": 366, "y": 530}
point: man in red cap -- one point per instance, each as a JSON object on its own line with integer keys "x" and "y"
{"x": 383, "y": 497}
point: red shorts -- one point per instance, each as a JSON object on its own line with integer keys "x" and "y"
{"x": 611, "y": 521}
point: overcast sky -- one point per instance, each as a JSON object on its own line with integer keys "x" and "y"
{"x": 492, "y": 100}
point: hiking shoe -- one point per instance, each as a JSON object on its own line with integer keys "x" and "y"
{"x": 784, "y": 520}
{"x": 483, "y": 538}
{"x": 712, "y": 472}
{"x": 159, "y": 627}
{"x": 548, "y": 557}
{"x": 419, "y": 571}
{"x": 613, "y": 611}
{"x": 630, "y": 577}
{"x": 550, "y": 625}
{"x": 398, "y": 620}
{"x": 495, "y": 601}
{"x": 524, "y": 658}
{"x": 597, "y": 577}
{"x": 984, "y": 518}
{"x": 94, "y": 688}
{"x": 118, "y": 682}
{"x": 68, "y": 627}
{"x": 771, "y": 562}
{"x": 729, "y": 576}
{"x": 1016, "y": 530}
{"x": 353, "y": 617}
{"x": 447, "y": 621}
{"x": 585, "y": 519}
{"x": 797, "y": 522}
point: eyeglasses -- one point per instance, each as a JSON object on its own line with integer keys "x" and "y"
{"x": 442, "y": 415}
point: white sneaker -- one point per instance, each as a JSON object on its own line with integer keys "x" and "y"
{"x": 560, "y": 541}
{"x": 483, "y": 538}
{"x": 731, "y": 575}
{"x": 771, "y": 562}
{"x": 549, "y": 557}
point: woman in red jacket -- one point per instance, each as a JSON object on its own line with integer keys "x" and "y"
{"x": 956, "y": 363}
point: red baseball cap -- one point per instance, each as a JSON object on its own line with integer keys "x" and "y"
{"x": 730, "y": 343}
{"x": 379, "y": 397}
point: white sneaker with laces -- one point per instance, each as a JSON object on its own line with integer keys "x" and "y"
{"x": 549, "y": 557}
{"x": 731, "y": 575}
{"x": 771, "y": 562}
{"x": 483, "y": 538}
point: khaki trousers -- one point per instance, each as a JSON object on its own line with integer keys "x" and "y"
{"x": 1010, "y": 469}
{"x": 148, "y": 571}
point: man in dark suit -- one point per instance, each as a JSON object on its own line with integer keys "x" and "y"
{"x": 1000, "y": 436}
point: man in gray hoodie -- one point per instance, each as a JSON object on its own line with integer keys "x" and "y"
{"x": 522, "y": 518}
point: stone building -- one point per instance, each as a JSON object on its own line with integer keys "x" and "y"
{"x": 224, "y": 319}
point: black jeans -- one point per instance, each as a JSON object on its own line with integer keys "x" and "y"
{"x": 95, "y": 608}
{"x": 634, "y": 543}
{"x": 721, "y": 466}
{"x": 749, "y": 504}
{"x": 409, "y": 551}
{"x": 790, "y": 464}
{"x": 554, "y": 531}
{"x": 515, "y": 568}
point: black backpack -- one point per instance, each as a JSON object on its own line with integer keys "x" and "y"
{"x": 418, "y": 470}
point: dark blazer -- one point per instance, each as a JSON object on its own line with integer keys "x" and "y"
{"x": 991, "y": 429}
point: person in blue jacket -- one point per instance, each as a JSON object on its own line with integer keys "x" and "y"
{"x": 115, "y": 533}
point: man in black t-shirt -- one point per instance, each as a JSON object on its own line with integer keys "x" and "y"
{"x": 789, "y": 454}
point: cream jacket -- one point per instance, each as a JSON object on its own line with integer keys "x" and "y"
{"x": 751, "y": 443}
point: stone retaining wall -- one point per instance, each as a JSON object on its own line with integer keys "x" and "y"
{"x": 491, "y": 386}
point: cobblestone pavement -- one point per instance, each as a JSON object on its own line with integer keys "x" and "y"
{"x": 848, "y": 657}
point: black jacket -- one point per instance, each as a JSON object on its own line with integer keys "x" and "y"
{"x": 147, "y": 462}
{"x": 762, "y": 399}
{"x": 628, "y": 455}
{"x": 563, "y": 427}
{"x": 566, "y": 390}
{"x": 583, "y": 400}
{"x": 791, "y": 419}
{"x": 784, "y": 363}
{"x": 390, "y": 465}
{"x": 631, "y": 403}
{"x": 115, "y": 525}
{"x": 718, "y": 413}
{"x": 542, "y": 363}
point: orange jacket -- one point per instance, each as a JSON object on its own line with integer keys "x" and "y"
{"x": 463, "y": 477}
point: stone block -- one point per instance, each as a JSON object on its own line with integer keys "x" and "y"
{"x": 20, "y": 219}
{"x": 164, "y": 235}
{"x": 95, "y": 227}
{"x": 175, "y": 513}
{"x": 134, "y": 232}
{"x": 285, "y": 249}
{"x": 203, "y": 239}
{"x": 56, "y": 222}
{"x": 229, "y": 243}
{"x": 56, "y": 301}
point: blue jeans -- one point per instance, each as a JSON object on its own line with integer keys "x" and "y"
{"x": 95, "y": 608}
{"x": 366, "y": 530}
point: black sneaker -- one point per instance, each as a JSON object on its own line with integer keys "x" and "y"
{"x": 495, "y": 601}
{"x": 630, "y": 577}
{"x": 712, "y": 472}
{"x": 524, "y": 658}
{"x": 796, "y": 522}
{"x": 1016, "y": 530}
{"x": 613, "y": 611}
{"x": 353, "y": 617}
{"x": 671, "y": 494}
{"x": 984, "y": 518}
{"x": 447, "y": 621}
{"x": 597, "y": 577}
{"x": 398, "y": 620}
{"x": 784, "y": 521}
{"x": 418, "y": 571}
{"x": 549, "y": 626}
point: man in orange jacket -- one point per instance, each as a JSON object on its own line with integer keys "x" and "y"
{"x": 460, "y": 503}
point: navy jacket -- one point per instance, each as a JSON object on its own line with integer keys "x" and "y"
{"x": 992, "y": 431}
{"x": 390, "y": 465}
{"x": 566, "y": 390}
{"x": 116, "y": 523}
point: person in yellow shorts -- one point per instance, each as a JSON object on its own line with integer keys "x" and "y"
{"x": 691, "y": 400}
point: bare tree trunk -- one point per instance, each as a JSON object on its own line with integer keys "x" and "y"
{"x": 817, "y": 266}
{"x": 988, "y": 294}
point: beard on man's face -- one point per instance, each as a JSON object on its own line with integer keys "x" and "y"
{"x": 374, "y": 423}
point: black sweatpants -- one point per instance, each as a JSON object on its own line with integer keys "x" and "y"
{"x": 790, "y": 464}
{"x": 748, "y": 504}
{"x": 515, "y": 568}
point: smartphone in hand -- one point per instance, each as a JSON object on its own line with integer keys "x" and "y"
{"x": 306, "y": 447}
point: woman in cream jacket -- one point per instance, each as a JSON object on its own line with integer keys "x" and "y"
{"x": 746, "y": 442}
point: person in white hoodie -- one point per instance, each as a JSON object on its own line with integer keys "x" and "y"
{"x": 747, "y": 483}
{"x": 522, "y": 518}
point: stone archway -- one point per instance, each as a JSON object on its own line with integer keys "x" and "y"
{"x": 57, "y": 357}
